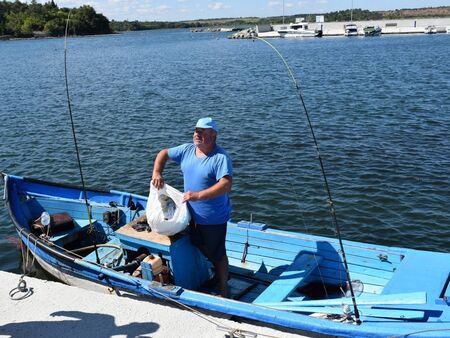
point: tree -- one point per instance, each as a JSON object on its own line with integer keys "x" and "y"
{"x": 21, "y": 19}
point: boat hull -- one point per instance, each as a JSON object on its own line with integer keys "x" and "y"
{"x": 299, "y": 34}
{"x": 372, "y": 31}
{"x": 414, "y": 270}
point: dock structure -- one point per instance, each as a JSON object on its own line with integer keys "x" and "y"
{"x": 401, "y": 26}
{"x": 58, "y": 310}
{"x": 409, "y": 26}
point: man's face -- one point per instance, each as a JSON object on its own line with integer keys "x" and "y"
{"x": 204, "y": 137}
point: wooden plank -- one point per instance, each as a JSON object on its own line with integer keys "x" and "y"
{"x": 106, "y": 254}
{"x": 128, "y": 232}
{"x": 67, "y": 236}
{"x": 367, "y": 288}
{"x": 290, "y": 279}
{"x": 309, "y": 242}
{"x": 248, "y": 268}
{"x": 77, "y": 209}
{"x": 274, "y": 259}
{"x": 261, "y": 276}
{"x": 395, "y": 299}
{"x": 289, "y": 250}
{"x": 275, "y": 266}
{"x": 355, "y": 275}
{"x": 364, "y": 312}
{"x": 270, "y": 262}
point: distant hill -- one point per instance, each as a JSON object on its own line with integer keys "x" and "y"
{"x": 356, "y": 14}
{"x": 435, "y": 12}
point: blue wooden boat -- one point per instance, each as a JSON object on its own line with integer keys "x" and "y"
{"x": 279, "y": 277}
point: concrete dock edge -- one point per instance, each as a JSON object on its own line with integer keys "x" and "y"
{"x": 58, "y": 310}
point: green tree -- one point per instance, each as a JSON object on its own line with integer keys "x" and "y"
{"x": 55, "y": 27}
{"x": 31, "y": 24}
{"x": 14, "y": 23}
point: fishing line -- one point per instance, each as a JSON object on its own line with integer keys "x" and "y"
{"x": 292, "y": 189}
{"x": 91, "y": 226}
{"x": 316, "y": 147}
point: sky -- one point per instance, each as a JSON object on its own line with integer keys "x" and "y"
{"x": 179, "y": 10}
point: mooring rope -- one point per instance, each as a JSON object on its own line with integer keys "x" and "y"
{"x": 316, "y": 147}
{"x": 21, "y": 291}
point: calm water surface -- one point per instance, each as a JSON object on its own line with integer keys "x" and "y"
{"x": 380, "y": 108}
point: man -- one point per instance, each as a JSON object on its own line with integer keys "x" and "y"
{"x": 207, "y": 172}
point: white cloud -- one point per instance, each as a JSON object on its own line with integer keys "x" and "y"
{"x": 289, "y": 5}
{"x": 217, "y": 6}
{"x": 273, "y": 3}
{"x": 162, "y": 8}
{"x": 322, "y": 2}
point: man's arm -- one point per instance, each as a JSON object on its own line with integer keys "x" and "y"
{"x": 221, "y": 187}
{"x": 158, "y": 168}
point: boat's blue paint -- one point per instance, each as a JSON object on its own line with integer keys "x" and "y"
{"x": 290, "y": 241}
{"x": 106, "y": 254}
{"x": 396, "y": 271}
{"x": 446, "y": 296}
{"x": 252, "y": 225}
{"x": 290, "y": 279}
{"x": 375, "y": 266}
{"x": 364, "y": 311}
{"x": 79, "y": 225}
{"x": 403, "y": 298}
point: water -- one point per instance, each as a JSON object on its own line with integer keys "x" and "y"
{"x": 380, "y": 107}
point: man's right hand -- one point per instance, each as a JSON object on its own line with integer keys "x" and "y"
{"x": 158, "y": 167}
{"x": 158, "y": 181}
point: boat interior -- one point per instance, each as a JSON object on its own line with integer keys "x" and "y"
{"x": 268, "y": 267}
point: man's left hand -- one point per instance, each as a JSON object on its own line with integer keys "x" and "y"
{"x": 191, "y": 196}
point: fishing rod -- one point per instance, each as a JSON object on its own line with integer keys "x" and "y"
{"x": 91, "y": 226}
{"x": 322, "y": 168}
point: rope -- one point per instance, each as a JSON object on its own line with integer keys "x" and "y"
{"x": 91, "y": 226}
{"x": 233, "y": 332}
{"x": 316, "y": 147}
{"x": 21, "y": 288}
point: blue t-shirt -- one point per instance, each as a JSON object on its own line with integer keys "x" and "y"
{"x": 201, "y": 173}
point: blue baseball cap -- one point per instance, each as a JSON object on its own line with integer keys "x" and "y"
{"x": 206, "y": 123}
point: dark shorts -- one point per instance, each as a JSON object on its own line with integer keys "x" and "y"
{"x": 211, "y": 237}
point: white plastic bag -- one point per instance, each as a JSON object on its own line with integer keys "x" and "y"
{"x": 166, "y": 213}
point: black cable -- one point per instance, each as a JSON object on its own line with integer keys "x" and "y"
{"x": 76, "y": 143}
{"x": 330, "y": 200}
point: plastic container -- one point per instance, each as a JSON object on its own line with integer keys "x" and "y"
{"x": 45, "y": 218}
{"x": 151, "y": 267}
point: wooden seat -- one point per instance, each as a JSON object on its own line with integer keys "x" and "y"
{"x": 68, "y": 236}
{"x": 290, "y": 279}
{"x": 127, "y": 231}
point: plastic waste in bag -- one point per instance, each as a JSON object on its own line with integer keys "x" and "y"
{"x": 168, "y": 206}
{"x": 166, "y": 213}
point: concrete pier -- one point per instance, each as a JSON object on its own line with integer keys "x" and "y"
{"x": 403, "y": 26}
{"x": 409, "y": 26}
{"x": 57, "y": 310}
